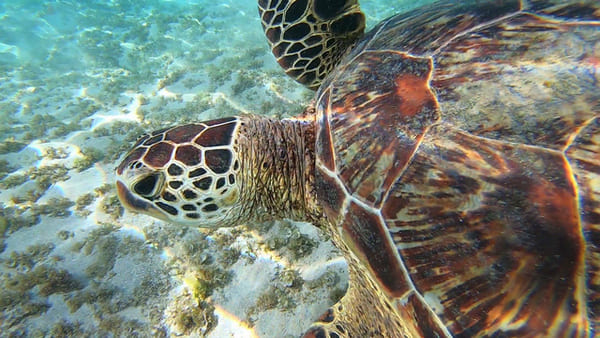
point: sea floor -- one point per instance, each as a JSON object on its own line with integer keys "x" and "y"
{"x": 79, "y": 82}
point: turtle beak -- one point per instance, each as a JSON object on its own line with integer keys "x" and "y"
{"x": 128, "y": 200}
{"x": 135, "y": 204}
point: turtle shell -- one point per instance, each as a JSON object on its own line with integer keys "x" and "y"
{"x": 458, "y": 155}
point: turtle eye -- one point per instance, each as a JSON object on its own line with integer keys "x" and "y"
{"x": 147, "y": 186}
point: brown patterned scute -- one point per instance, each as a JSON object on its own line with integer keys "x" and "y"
{"x": 134, "y": 155}
{"x": 423, "y": 30}
{"x": 525, "y": 80}
{"x": 586, "y": 142}
{"x": 419, "y": 316}
{"x": 159, "y": 155}
{"x": 330, "y": 193}
{"x": 153, "y": 140}
{"x": 584, "y": 155}
{"x": 185, "y": 133}
{"x": 582, "y": 10}
{"x": 365, "y": 232}
{"x": 218, "y": 160}
{"x": 497, "y": 227}
{"x": 498, "y": 243}
{"x": 190, "y": 155}
{"x": 220, "y": 135}
{"x": 140, "y": 140}
{"x": 381, "y": 105}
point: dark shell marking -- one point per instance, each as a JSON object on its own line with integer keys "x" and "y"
{"x": 189, "y": 157}
{"x": 184, "y": 133}
{"x": 464, "y": 170}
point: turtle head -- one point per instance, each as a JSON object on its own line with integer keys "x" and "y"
{"x": 186, "y": 174}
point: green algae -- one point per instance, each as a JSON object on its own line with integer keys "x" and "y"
{"x": 47, "y": 175}
{"x": 95, "y": 293}
{"x": 274, "y": 297}
{"x": 149, "y": 287}
{"x": 288, "y": 239}
{"x": 171, "y": 78}
{"x": 290, "y": 278}
{"x": 11, "y": 145}
{"x": 9, "y": 298}
{"x": 27, "y": 259}
{"x": 14, "y": 180}
{"x": 90, "y": 157}
{"x": 55, "y": 153}
{"x": 229, "y": 256}
{"x": 83, "y": 201}
{"x": 6, "y": 168}
{"x": 201, "y": 102}
{"x": 14, "y": 218}
{"x": 205, "y": 280}
{"x": 87, "y": 245}
{"x": 66, "y": 329}
{"x": 329, "y": 280}
{"x": 244, "y": 81}
{"x": 49, "y": 280}
{"x": 115, "y": 325}
{"x": 218, "y": 74}
{"x": 104, "y": 249}
{"x": 56, "y": 207}
{"x": 190, "y": 317}
{"x": 104, "y": 189}
{"x": 64, "y": 234}
{"x": 112, "y": 206}
{"x": 337, "y": 293}
{"x": 283, "y": 294}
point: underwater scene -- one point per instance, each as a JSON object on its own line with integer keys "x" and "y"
{"x": 80, "y": 81}
{"x": 453, "y": 158}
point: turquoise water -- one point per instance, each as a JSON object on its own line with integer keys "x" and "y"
{"x": 79, "y": 82}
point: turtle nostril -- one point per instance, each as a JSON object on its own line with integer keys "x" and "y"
{"x": 147, "y": 186}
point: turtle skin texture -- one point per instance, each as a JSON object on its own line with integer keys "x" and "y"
{"x": 458, "y": 157}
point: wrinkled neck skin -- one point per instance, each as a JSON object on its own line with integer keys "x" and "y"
{"x": 277, "y": 169}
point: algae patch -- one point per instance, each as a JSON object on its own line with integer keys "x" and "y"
{"x": 190, "y": 317}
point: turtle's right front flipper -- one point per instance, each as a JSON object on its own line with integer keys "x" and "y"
{"x": 308, "y": 37}
{"x": 364, "y": 311}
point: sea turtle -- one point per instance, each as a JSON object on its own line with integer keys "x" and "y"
{"x": 453, "y": 153}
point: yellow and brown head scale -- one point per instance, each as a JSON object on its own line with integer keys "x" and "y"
{"x": 184, "y": 173}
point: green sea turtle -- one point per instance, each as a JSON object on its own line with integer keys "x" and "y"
{"x": 453, "y": 153}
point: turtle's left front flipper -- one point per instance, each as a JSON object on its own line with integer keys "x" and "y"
{"x": 308, "y": 37}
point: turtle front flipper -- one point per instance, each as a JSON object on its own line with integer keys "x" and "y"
{"x": 308, "y": 37}
{"x": 366, "y": 311}
{"x": 358, "y": 313}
